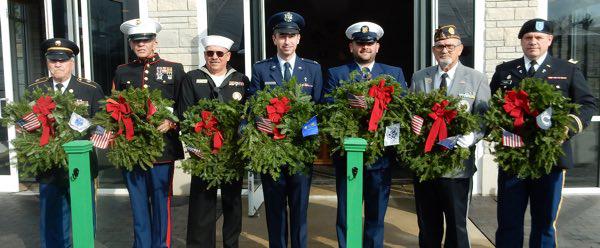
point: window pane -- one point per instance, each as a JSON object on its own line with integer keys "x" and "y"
{"x": 461, "y": 14}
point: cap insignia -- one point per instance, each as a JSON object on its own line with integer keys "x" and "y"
{"x": 539, "y": 25}
{"x": 57, "y": 43}
{"x": 451, "y": 30}
{"x": 364, "y": 29}
{"x": 138, "y": 22}
{"x": 288, "y": 17}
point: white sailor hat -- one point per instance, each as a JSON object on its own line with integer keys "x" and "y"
{"x": 216, "y": 40}
{"x": 364, "y": 32}
{"x": 141, "y": 29}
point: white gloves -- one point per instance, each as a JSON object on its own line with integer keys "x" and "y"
{"x": 467, "y": 140}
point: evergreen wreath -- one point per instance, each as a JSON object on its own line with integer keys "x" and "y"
{"x": 132, "y": 115}
{"x": 34, "y": 156}
{"x": 350, "y": 113}
{"x": 283, "y": 111}
{"x": 433, "y": 161}
{"x": 541, "y": 149}
{"x": 209, "y": 132}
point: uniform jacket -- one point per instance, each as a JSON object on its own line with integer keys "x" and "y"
{"x": 342, "y": 73}
{"x": 307, "y": 73}
{"x": 566, "y": 77}
{"x": 159, "y": 74}
{"x": 87, "y": 92}
{"x": 470, "y": 86}
{"x": 201, "y": 86}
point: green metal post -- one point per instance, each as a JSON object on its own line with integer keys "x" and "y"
{"x": 354, "y": 190}
{"x": 80, "y": 180}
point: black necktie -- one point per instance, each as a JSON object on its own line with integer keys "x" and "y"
{"x": 366, "y": 73}
{"x": 59, "y": 87}
{"x": 531, "y": 71}
{"x": 444, "y": 83}
{"x": 286, "y": 73}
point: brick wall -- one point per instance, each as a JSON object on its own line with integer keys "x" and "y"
{"x": 503, "y": 19}
{"x": 178, "y": 40}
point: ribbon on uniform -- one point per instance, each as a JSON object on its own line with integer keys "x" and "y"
{"x": 120, "y": 111}
{"x": 441, "y": 117}
{"x": 275, "y": 110}
{"x": 43, "y": 109}
{"x": 382, "y": 95}
{"x": 208, "y": 126}
{"x": 516, "y": 104}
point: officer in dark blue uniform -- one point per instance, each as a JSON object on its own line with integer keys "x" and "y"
{"x": 150, "y": 191}
{"x": 364, "y": 45}
{"x": 55, "y": 210}
{"x": 545, "y": 193}
{"x": 271, "y": 73}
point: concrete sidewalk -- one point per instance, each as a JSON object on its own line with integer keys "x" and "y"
{"x": 19, "y": 221}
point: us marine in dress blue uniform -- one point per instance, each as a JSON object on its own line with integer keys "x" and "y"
{"x": 364, "y": 45}
{"x": 150, "y": 191}
{"x": 55, "y": 210}
{"x": 544, "y": 194}
{"x": 288, "y": 190}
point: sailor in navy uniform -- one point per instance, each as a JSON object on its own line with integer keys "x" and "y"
{"x": 364, "y": 45}
{"x": 545, "y": 193}
{"x": 55, "y": 210}
{"x": 150, "y": 191}
{"x": 292, "y": 190}
{"x": 215, "y": 80}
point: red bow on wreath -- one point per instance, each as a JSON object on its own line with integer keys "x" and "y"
{"x": 441, "y": 117}
{"x": 120, "y": 111}
{"x": 275, "y": 111}
{"x": 43, "y": 108}
{"x": 209, "y": 124}
{"x": 516, "y": 104}
{"x": 382, "y": 95}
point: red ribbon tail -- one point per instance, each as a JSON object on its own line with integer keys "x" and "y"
{"x": 45, "y": 135}
{"x": 217, "y": 142}
{"x": 433, "y": 133}
{"x": 376, "y": 114}
{"x": 128, "y": 128}
{"x": 277, "y": 135}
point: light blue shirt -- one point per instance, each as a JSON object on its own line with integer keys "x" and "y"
{"x": 292, "y": 61}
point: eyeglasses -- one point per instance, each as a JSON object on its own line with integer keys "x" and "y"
{"x": 449, "y": 47}
{"x": 212, "y": 53}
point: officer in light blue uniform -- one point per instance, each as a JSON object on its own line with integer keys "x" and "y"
{"x": 364, "y": 45}
{"x": 288, "y": 190}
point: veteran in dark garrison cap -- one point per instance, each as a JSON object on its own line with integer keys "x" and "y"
{"x": 55, "y": 210}
{"x": 545, "y": 193}
{"x": 446, "y": 199}
{"x": 364, "y": 45}
{"x": 150, "y": 190}
{"x": 288, "y": 190}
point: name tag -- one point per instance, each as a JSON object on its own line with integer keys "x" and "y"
{"x": 307, "y": 85}
{"x": 271, "y": 83}
{"x": 201, "y": 81}
{"x": 236, "y": 83}
{"x": 558, "y": 77}
{"x": 469, "y": 95}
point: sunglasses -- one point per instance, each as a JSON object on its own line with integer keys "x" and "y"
{"x": 212, "y": 53}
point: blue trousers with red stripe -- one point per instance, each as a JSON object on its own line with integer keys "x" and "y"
{"x": 544, "y": 196}
{"x": 150, "y": 194}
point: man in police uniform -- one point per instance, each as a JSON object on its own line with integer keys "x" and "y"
{"x": 364, "y": 46}
{"x": 447, "y": 198}
{"x": 545, "y": 193}
{"x": 150, "y": 190}
{"x": 55, "y": 210}
{"x": 214, "y": 80}
{"x": 273, "y": 72}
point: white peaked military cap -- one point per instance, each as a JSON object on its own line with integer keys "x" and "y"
{"x": 364, "y": 32}
{"x": 216, "y": 40}
{"x": 141, "y": 29}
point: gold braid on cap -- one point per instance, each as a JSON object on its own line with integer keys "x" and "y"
{"x": 60, "y": 49}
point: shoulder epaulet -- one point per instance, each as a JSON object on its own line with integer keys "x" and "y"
{"x": 86, "y": 82}
{"x": 262, "y": 61}
{"x": 39, "y": 81}
{"x": 310, "y": 61}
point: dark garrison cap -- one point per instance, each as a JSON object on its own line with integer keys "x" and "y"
{"x": 59, "y": 49}
{"x": 286, "y": 22}
{"x": 536, "y": 25}
{"x": 446, "y": 32}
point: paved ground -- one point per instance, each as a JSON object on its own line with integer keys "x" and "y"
{"x": 19, "y": 222}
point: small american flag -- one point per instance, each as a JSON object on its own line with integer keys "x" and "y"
{"x": 357, "y": 101}
{"x": 29, "y": 122}
{"x": 264, "y": 125}
{"x": 101, "y": 138}
{"x": 416, "y": 124}
{"x": 194, "y": 151}
{"x": 511, "y": 140}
